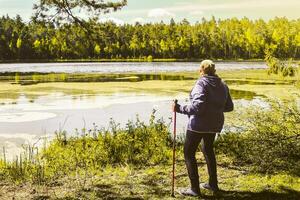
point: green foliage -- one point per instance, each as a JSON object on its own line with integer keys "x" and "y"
{"x": 268, "y": 140}
{"x": 273, "y": 64}
{"x": 150, "y": 58}
{"x": 97, "y": 49}
{"x": 285, "y": 68}
{"x": 25, "y": 167}
{"x": 17, "y": 78}
{"x": 36, "y": 44}
{"x": 19, "y": 43}
{"x": 138, "y": 144}
{"x": 220, "y": 39}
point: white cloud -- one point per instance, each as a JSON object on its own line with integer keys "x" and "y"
{"x": 159, "y": 13}
{"x": 112, "y": 19}
{"x": 241, "y": 5}
{"x": 197, "y": 13}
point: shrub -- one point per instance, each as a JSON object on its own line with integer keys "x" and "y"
{"x": 150, "y": 58}
{"x": 286, "y": 68}
{"x": 269, "y": 140}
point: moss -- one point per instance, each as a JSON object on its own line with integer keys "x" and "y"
{"x": 243, "y": 83}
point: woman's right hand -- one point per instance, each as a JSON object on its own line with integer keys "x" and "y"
{"x": 174, "y": 105}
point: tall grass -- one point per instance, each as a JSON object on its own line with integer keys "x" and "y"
{"x": 91, "y": 150}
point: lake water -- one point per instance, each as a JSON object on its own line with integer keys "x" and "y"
{"x": 123, "y": 67}
{"x": 25, "y": 121}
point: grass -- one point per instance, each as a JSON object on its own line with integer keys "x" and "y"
{"x": 154, "y": 182}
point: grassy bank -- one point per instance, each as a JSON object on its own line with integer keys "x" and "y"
{"x": 154, "y": 182}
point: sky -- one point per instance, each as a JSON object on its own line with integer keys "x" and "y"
{"x": 194, "y": 10}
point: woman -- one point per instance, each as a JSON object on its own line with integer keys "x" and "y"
{"x": 209, "y": 99}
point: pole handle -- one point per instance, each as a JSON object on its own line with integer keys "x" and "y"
{"x": 176, "y": 101}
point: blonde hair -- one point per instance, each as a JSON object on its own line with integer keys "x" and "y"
{"x": 208, "y": 67}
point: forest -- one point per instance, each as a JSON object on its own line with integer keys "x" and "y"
{"x": 228, "y": 39}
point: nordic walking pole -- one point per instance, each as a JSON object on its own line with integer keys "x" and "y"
{"x": 174, "y": 151}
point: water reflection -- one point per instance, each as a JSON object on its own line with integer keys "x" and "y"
{"x": 36, "y": 78}
{"x": 17, "y": 117}
{"x": 243, "y": 94}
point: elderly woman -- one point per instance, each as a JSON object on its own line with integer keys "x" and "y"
{"x": 209, "y": 99}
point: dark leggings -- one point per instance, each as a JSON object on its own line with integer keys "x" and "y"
{"x": 192, "y": 142}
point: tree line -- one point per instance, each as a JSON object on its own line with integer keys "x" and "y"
{"x": 216, "y": 39}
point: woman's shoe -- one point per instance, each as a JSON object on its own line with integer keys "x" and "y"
{"x": 189, "y": 192}
{"x": 208, "y": 187}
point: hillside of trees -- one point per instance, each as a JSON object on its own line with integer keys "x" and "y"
{"x": 218, "y": 39}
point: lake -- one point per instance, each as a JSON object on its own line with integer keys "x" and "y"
{"x": 123, "y": 67}
{"x": 30, "y": 112}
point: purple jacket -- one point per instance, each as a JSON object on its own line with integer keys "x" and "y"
{"x": 209, "y": 99}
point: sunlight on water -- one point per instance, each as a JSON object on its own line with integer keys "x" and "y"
{"x": 123, "y": 67}
{"x": 25, "y": 116}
